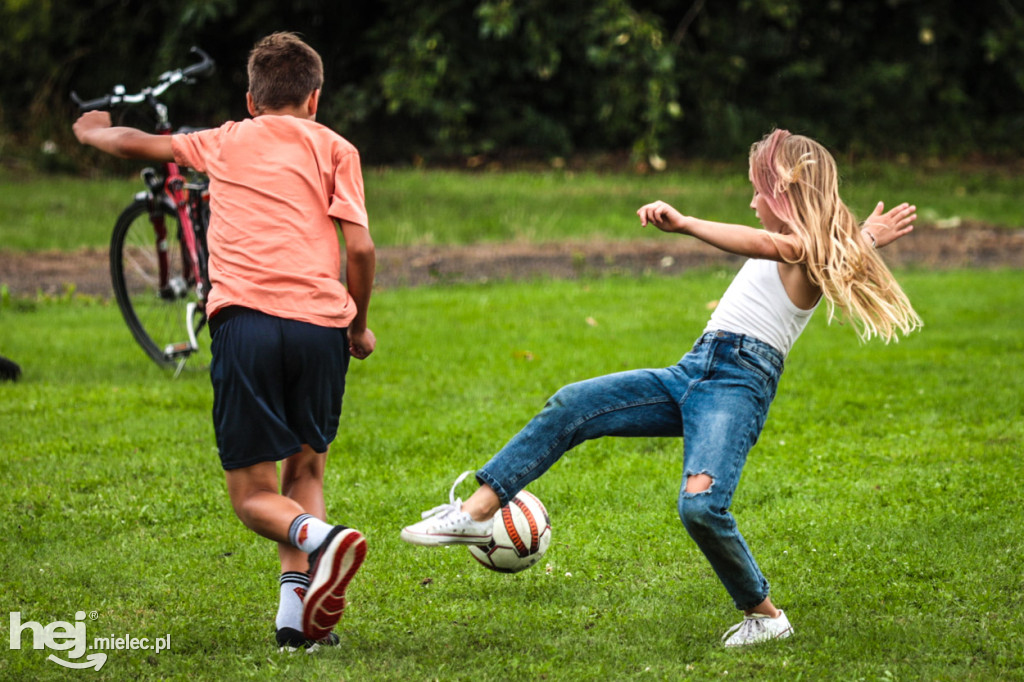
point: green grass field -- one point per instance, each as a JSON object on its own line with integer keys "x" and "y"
{"x": 882, "y": 501}
{"x": 446, "y": 207}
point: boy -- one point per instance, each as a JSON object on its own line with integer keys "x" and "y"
{"x": 283, "y": 326}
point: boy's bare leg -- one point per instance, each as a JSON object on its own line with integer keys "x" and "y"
{"x": 338, "y": 552}
{"x": 263, "y": 509}
{"x": 258, "y": 503}
{"x": 302, "y": 480}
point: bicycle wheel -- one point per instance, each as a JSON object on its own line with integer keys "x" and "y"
{"x": 152, "y": 280}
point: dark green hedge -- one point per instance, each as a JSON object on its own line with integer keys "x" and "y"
{"x": 460, "y": 78}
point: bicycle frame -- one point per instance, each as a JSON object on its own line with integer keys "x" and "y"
{"x": 188, "y": 200}
{"x": 188, "y": 207}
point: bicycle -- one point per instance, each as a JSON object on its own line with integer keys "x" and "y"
{"x": 158, "y": 256}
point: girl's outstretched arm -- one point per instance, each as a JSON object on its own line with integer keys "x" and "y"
{"x": 739, "y": 239}
{"x": 884, "y": 228}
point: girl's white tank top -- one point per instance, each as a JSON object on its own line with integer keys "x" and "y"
{"x": 756, "y": 304}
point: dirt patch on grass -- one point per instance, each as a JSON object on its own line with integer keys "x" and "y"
{"x": 967, "y": 246}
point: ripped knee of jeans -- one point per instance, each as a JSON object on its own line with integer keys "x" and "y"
{"x": 696, "y": 505}
{"x": 698, "y": 483}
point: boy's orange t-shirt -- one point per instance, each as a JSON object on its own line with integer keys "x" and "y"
{"x": 277, "y": 183}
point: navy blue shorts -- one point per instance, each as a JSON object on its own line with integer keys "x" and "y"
{"x": 277, "y": 384}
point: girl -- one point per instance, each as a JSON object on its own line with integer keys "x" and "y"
{"x": 717, "y": 396}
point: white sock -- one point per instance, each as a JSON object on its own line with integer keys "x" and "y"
{"x": 289, "y": 607}
{"x": 308, "y": 532}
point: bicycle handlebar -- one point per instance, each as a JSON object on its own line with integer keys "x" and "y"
{"x": 165, "y": 80}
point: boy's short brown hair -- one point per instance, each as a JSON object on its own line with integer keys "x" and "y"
{"x": 283, "y": 71}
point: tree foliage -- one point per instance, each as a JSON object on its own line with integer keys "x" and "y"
{"x": 460, "y": 78}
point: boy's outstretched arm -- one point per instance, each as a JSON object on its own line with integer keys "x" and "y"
{"x": 361, "y": 257}
{"x": 93, "y": 128}
{"x": 885, "y": 228}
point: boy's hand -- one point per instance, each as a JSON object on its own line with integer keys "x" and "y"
{"x": 662, "y": 216}
{"x": 90, "y": 120}
{"x": 885, "y": 228}
{"x": 361, "y": 344}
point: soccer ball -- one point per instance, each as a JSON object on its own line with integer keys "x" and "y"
{"x": 521, "y": 535}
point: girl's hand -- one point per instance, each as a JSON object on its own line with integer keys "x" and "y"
{"x": 90, "y": 120}
{"x": 885, "y": 228}
{"x": 662, "y": 216}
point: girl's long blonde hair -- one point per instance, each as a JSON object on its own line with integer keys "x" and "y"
{"x": 798, "y": 179}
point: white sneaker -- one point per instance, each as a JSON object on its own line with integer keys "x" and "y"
{"x": 449, "y": 525}
{"x": 757, "y": 628}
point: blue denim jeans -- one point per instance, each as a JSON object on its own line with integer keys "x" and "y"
{"x": 716, "y": 398}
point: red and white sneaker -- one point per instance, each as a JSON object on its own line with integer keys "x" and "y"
{"x": 290, "y": 640}
{"x": 331, "y": 567}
